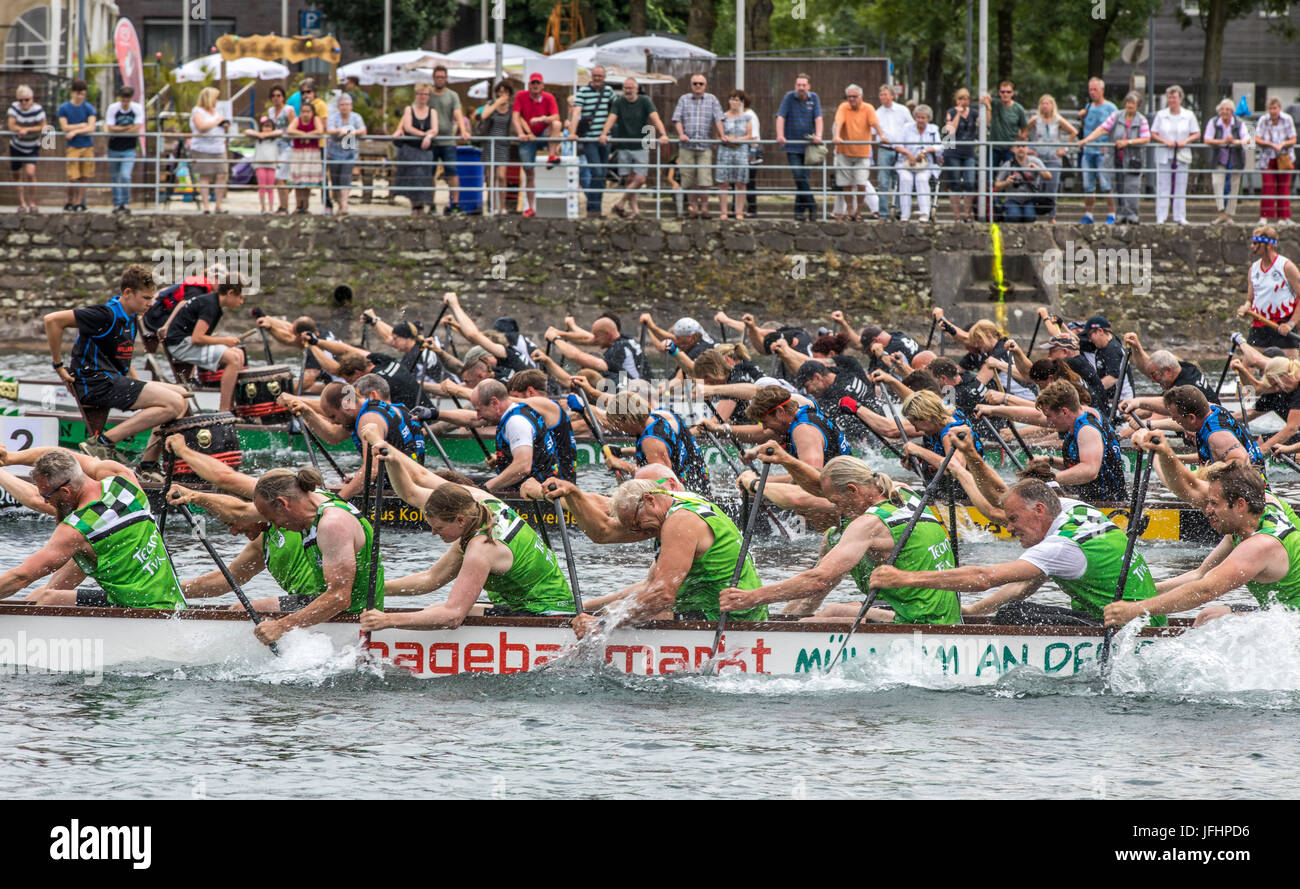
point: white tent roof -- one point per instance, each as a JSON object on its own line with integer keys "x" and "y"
{"x": 389, "y": 69}
{"x": 586, "y": 55}
{"x": 202, "y": 68}
{"x": 480, "y": 53}
{"x": 630, "y": 52}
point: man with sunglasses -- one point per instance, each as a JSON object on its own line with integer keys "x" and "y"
{"x": 105, "y": 532}
{"x": 1274, "y": 283}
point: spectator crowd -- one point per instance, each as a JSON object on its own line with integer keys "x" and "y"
{"x": 887, "y": 160}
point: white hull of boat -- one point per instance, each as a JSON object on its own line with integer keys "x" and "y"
{"x": 93, "y": 640}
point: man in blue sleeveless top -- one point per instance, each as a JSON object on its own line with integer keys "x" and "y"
{"x": 1219, "y": 437}
{"x": 100, "y": 372}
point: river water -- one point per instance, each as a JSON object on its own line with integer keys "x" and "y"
{"x": 1213, "y": 714}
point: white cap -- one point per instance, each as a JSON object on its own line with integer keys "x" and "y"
{"x": 687, "y": 327}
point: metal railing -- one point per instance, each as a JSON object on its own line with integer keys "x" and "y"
{"x": 670, "y": 184}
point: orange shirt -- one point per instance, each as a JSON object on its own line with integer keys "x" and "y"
{"x": 856, "y": 126}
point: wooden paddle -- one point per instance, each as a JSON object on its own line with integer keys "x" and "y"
{"x": 1141, "y": 475}
{"x": 568, "y": 555}
{"x": 1267, "y": 322}
{"x": 225, "y": 572}
{"x": 380, "y": 479}
{"x": 898, "y": 547}
{"x": 740, "y": 562}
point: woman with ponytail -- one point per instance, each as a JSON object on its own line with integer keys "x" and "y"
{"x": 874, "y": 511}
{"x": 492, "y": 548}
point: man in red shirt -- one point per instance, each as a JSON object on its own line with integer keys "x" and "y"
{"x": 536, "y": 114}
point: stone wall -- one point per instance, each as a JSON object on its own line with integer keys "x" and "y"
{"x": 540, "y": 270}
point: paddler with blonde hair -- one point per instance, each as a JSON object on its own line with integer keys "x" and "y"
{"x": 874, "y": 512}
{"x": 698, "y": 547}
{"x": 492, "y": 548}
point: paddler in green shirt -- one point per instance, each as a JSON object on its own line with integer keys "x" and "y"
{"x": 1260, "y": 549}
{"x": 105, "y": 532}
{"x": 337, "y": 539}
{"x": 698, "y": 547}
{"x": 875, "y": 513}
{"x": 492, "y": 549}
{"x": 1066, "y": 541}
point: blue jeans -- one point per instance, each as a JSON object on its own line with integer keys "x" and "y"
{"x": 120, "y": 165}
{"x": 1019, "y": 211}
{"x": 803, "y": 201}
{"x": 960, "y": 173}
{"x": 1094, "y": 171}
{"x": 592, "y": 173}
{"x": 528, "y": 150}
{"x": 886, "y": 180}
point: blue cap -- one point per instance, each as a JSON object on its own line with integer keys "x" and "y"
{"x": 575, "y": 403}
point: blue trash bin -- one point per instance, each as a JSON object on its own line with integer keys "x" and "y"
{"x": 469, "y": 166}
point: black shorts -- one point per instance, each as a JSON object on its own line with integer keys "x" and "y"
{"x": 1022, "y": 613}
{"x": 93, "y": 598}
{"x": 295, "y": 602}
{"x": 19, "y": 158}
{"x": 1265, "y": 337}
{"x": 117, "y": 393}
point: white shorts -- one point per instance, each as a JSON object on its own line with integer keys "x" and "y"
{"x": 851, "y": 170}
{"x": 202, "y": 357}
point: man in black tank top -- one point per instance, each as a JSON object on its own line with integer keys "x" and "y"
{"x": 100, "y": 373}
{"x": 347, "y": 362}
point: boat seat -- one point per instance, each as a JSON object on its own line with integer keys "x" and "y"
{"x": 95, "y": 418}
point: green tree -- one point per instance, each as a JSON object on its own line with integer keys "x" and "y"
{"x": 1213, "y": 17}
{"x": 362, "y": 21}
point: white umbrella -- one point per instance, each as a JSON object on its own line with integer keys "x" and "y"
{"x": 586, "y": 55}
{"x": 202, "y": 68}
{"x": 390, "y": 69}
{"x": 630, "y": 52}
{"x": 479, "y": 90}
{"x": 481, "y": 53}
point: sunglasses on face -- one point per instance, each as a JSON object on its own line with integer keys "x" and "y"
{"x": 50, "y": 496}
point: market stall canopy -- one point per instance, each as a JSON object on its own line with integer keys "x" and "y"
{"x": 200, "y": 69}
{"x": 389, "y": 69}
{"x": 631, "y": 52}
{"x": 485, "y": 53}
{"x": 621, "y": 34}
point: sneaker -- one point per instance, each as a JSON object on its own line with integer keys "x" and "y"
{"x": 1110, "y": 220}
{"x": 552, "y": 160}
{"x": 70, "y": 208}
{"x": 1087, "y": 220}
{"x": 1263, "y": 221}
{"x": 81, "y": 208}
{"x": 529, "y": 213}
{"x": 456, "y": 210}
{"x": 150, "y": 473}
{"x": 446, "y": 211}
{"x": 100, "y": 448}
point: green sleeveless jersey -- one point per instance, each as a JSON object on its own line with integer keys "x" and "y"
{"x": 288, "y": 563}
{"x": 1103, "y": 545}
{"x": 928, "y": 549}
{"x": 1275, "y": 523}
{"x": 130, "y": 563}
{"x": 534, "y": 584}
{"x": 711, "y": 573}
{"x": 361, "y": 582}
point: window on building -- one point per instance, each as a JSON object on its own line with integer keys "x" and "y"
{"x": 27, "y": 38}
{"x": 163, "y": 35}
{"x": 1190, "y": 7}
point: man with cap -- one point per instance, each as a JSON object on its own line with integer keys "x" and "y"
{"x": 828, "y": 387}
{"x": 405, "y": 337}
{"x": 876, "y": 341}
{"x": 535, "y": 115}
{"x": 480, "y": 365}
{"x": 1109, "y": 356}
{"x": 510, "y": 348}
{"x": 1271, "y": 293}
{"x": 685, "y": 342}
{"x": 1065, "y": 346}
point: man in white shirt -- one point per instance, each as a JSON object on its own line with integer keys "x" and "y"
{"x": 894, "y": 120}
{"x": 125, "y": 119}
{"x": 1173, "y": 129}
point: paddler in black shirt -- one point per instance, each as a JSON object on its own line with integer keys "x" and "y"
{"x": 100, "y": 373}
{"x": 188, "y": 336}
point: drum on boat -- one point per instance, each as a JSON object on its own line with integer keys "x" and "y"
{"x": 256, "y": 391}
{"x": 211, "y": 434}
{"x": 211, "y": 379}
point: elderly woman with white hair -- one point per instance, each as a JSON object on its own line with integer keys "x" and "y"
{"x": 919, "y": 151}
{"x": 1173, "y": 129}
{"x": 1229, "y": 136}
